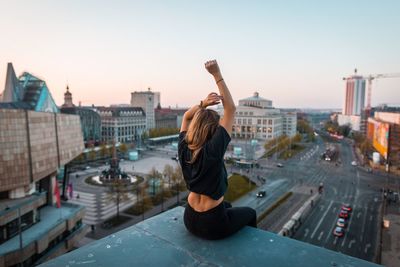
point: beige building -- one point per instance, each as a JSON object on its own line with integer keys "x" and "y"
{"x": 148, "y": 101}
{"x": 255, "y": 118}
{"x": 33, "y": 147}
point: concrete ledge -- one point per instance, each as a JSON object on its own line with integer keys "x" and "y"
{"x": 164, "y": 241}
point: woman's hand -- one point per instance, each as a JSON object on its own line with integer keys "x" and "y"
{"x": 212, "y": 68}
{"x": 211, "y": 99}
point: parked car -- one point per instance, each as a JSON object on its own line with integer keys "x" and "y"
{"x": 341, "y": 223}
{"x": 339, "y": 231}
{"x": 87, "y": 167}
{"x": 261, "y": 194}
{"x": 346, "y": 207}
{"x": 354, "y": 163}
{"x": 280, "y": 165}
{"x": 344, "y": 214}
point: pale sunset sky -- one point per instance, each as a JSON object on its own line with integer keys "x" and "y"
{"x": 292, "y": 52}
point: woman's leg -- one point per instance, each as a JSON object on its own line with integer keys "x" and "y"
{"x": 239, "y": 217}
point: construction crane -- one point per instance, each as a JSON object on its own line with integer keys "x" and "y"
{"x": 370, "y": 78}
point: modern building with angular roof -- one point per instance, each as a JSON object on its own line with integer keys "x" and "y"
{"x": 27, "y": 92}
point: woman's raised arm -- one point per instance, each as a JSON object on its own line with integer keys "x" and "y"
{"x": 227, "y": 101}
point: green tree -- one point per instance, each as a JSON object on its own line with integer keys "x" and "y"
{"x": 117, "y": 193}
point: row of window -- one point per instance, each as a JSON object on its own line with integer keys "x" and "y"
{"x": 250, "y": 121}
{"x": 248, "y": 136}
{"x": 252, "y": 129}
{"x": 244, "y": 113}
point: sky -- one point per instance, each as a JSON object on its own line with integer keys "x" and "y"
{"x": 294, "y": 53}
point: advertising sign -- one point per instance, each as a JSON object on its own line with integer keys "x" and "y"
{"x": 381, "y": 138}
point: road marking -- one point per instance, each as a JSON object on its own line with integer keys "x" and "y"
{"x": 348, "y": 227}
{"x": 370, "y": 217}
{"x": 351, "y": 243}
{"x": 334, "y": 209}
{"x": 322, "y": 218}
{"x": 322, "y": 207}
{"x": 306, "y": 232}
{"x": 358, "y": 215}
{"x": 336, "y": 239}
{"x": 367, "y": 247}
{"x": 320, "y": 235}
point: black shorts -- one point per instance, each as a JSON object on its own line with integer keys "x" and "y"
{"x": 218, "y": 222}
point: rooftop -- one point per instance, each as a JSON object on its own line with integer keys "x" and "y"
{"x": 163, "y": 241}
{"x": 52, "y": 217}
{"x": 255, "y": 97}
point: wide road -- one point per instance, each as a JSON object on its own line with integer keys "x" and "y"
{"x": 344, "y": 184}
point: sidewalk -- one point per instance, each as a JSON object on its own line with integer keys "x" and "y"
{"x": 390, "y": 256}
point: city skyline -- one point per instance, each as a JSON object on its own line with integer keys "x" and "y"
{"x": 291, "y": 54}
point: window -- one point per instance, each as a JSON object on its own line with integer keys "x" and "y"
{"x": 259, "y": 121}
{"x": 270, "y": 122}
{"x": 239, "y": 121}
{"x": 264, "y": 122}
{"x": 249, "y": 121}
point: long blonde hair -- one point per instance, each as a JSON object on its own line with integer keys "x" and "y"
{"x": 201, "y": 128}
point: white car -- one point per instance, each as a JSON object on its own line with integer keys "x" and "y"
{"x": 354, "y": 163}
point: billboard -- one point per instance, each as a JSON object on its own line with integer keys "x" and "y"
{"x": 380, "y": 139}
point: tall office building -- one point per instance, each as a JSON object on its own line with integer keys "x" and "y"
{"x": 148, "y": 101}
{"x": 355, "y": 95}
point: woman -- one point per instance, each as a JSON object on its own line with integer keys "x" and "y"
{"x": 203, "y": 140}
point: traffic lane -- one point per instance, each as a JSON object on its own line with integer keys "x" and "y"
{"x": 273, "y": 191}
{"x": 311, "y": 226}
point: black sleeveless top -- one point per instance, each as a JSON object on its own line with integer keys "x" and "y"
{"x": 207, "y": 175}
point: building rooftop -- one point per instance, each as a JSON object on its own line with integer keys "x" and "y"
{"x": 52, "y": 218}
{"x": 163, "y": 241}
{"x": 118, "y": 111}
{"x": 255, "y": 97}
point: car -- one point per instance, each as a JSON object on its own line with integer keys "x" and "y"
{"x": 346, "y": 207}
{"x": 280, "y": 165}
{"x": 261, "y": 194}
{"x": 341, "y": 223}
{"x": 343, "y": 214}
{"x": 87, "y": 167}
{"x": 353, "y": 163}
{"x": 339, "y": 231}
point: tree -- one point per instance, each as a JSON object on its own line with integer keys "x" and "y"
{"x": 297, "y": 138}
{"x": 80, "y": 158}
{"x": 117, "y": 193}
{"x": 103, "y": 151}
{"x": 92, "y": 154}
{"x": 123, "y": 148}
{"x": 168, "y": 173}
